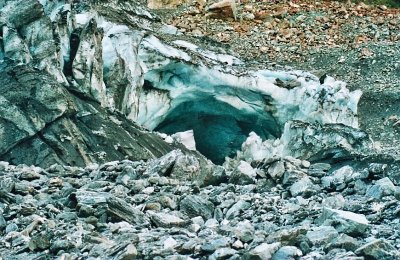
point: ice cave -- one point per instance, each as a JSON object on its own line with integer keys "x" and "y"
{"x": 223, "y": 108}
{"x": 219, "y": 127}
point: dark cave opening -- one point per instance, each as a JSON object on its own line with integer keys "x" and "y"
{"x": 219, "y": 128}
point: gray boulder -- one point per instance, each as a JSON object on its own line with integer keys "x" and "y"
{"x": 381, "y": 188}
{"x": 287, "y": 253}
{"x": 194, "y": 206}
{"x": 243, "y": 174}
{"x": 345, "y": 221}
{"x": 263, "y": 251}
{"x": 378, "y": 249}
{"x": 322, "y": 235}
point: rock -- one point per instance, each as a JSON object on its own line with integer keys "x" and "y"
{"x": 378, "y": 249}
{"x": 40, "y": 242}
{"x": 344, "y": 221}
{"x": 263, "y": 251}
{"x": 276, "y": 170}
{"x": 381, "y": 188}
{"x": 3, "y": 222}
{"x": 335, "y": 202}
{"x": 305, "y": 164}
{"x": 82, "y": 81}
{"x": 194, "y": 206}
{"x": 287, "y": 252}
{"x": 60, "y": 244}
{"x": 67, "y": 216}
{"x": 211, "y": 223}
{"x": 244, "y": 231}
{"x": 198, "y": 220}
{"x": 318, "y": 169}
{"x": 289, "y": 236}
{"x": 212, "y": 245}
{"x": 360, "y": 187}
{"x": 163, "y": 165}
{"x": 123, "y": 210}
{"x": 222, "y": 253}
{"x": 243, "y": 174}
{"x": 170, "y": 243}
{"x": 236, "y": 209}
{"x": 338, "y": 179}
{"x": 184, "y": 167}
{"x": 377, "y": 169}
{"x": 19, "y": 13}
{"x": 11, "y": 227}
{"x": 397, "y": 193}
{"x": 57, "y": 54}
{"x": 194, "y": 228}
{"x": 166, "y": 220}
{"x": 345, "y": 242}
{"x": 322, "y": 235}
{"x": 303, "y": 146}
{"x": 289, "y": 84}
{"x": 222, "y": 9}
{"x": 303, "y": 187}
{"x": 238, "y": 244}
{"x": 130, "y": 252}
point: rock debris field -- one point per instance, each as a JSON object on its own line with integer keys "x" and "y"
{"x": 277, "y": 209}
{"x": 289, "y": 31}
{"x": 130, "y": 133}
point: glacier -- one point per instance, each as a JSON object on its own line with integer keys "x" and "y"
{"x": 174, "y": 86}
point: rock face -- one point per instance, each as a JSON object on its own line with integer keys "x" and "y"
{"x": 53, "y": 93}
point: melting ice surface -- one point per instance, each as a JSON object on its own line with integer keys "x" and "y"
{"x": 180, "y": 87}
{"x": 223, "y": 108}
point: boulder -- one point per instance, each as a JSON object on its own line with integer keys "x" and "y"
{"x": 194, "y": 206}
{"x": 244, "y": 231}
{"x": 166, "y": 220}
{"x": 287, "y": 252}
{"x": 222, "y": 9}
{"x": 276, "y": 170}
{"x": 243, "y": 174}
{"x": 304, "y": 187}
{"x": 263, "y": 251}
{"x": 322, "y": 235}
{"x": 378, "y": 249}
{"x": 381, "y": 188}
{"x": 345, "y": 221}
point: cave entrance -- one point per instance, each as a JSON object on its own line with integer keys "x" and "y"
{"x": 219, "y": 127}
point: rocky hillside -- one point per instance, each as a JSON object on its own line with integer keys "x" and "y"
{"x": 130, "y": 133}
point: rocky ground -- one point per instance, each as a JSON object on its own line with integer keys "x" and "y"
{"x": 142, "y": 195}
{"x": 282, "y": 209}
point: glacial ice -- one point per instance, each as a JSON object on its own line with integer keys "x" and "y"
{"x": 178, "y": 86}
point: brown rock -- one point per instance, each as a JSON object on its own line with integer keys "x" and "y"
{"x": 222, "y": 9}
